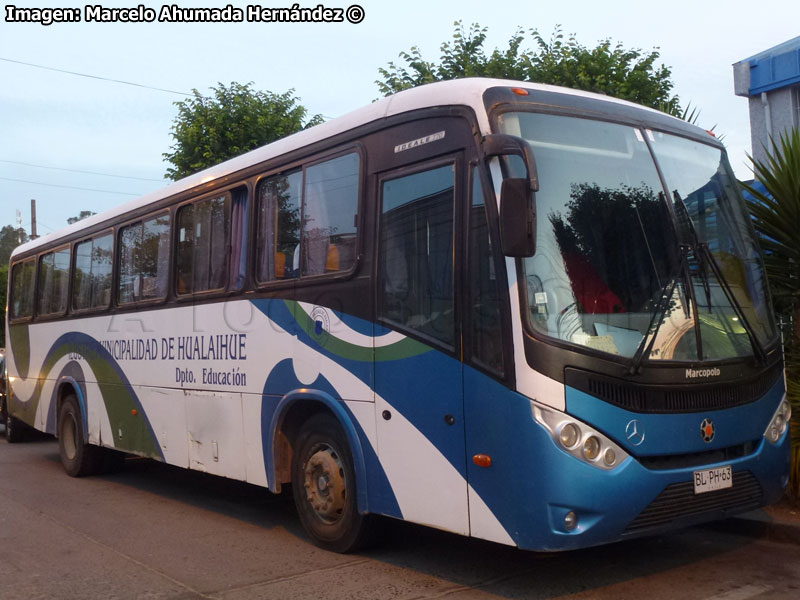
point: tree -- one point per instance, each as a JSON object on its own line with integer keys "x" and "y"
{"x": 236, "y": 119}
{"x": 10, "y": 238}
{"x": 608, "y": 68}
{"x": 83, "y": 215}
{"x": 776, "y": 217}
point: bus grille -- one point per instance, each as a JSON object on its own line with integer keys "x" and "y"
{"x": 679, "y": 501}
{"x": 649, "y": 398}
{"x": 696, "y": 459}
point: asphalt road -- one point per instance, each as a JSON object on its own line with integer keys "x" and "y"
{"x": 153, "y": 531}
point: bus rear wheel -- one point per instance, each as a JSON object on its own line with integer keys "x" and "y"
{"x": 324, "y": 487}
{"x": 79, "y": 459}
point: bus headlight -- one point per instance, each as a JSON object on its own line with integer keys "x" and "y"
{"x": 591, "y": 448}
{"x": 779, "y": 422}
{"x": 570, "y": 434}
{"x": 579, "y": 439}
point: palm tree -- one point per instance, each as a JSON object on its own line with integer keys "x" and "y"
{"x": 776, "y": 217}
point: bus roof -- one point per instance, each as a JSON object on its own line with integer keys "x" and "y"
{"x": 464, "y": 92}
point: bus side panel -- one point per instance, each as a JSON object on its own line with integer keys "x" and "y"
{"x": 166, "y": 410}
{"x": 255, "y": 468}
{"x": 214, "y": 431}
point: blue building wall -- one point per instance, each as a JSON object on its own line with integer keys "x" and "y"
{"x": 771, "y": 82}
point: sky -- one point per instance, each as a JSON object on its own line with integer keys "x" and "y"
{"x": 54, "y": 125}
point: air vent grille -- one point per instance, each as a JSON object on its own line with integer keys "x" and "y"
{"x": 679, "y": 501}
{"x": 649, "y": 398}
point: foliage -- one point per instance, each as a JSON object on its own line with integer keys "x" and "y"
{"x": 793, "y": 395}
{"x": 776, "y": 216}
{"x": 236, "y": 119}
{"x": 608, "y": 68}
{"x": 10, "y": 238}
{"x": 84, "y": 214}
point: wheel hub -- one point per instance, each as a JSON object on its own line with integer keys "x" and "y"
{"x": 325, "y": 484}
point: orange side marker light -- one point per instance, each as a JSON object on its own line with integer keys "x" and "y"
{"x": 134, "y": 412}
{"x": 520, "y": 91}
{"x": 482, "y": 460}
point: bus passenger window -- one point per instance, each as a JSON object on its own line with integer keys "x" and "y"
{"x": 278, "y": 236}
{"x": 308, "y": 228}
{"x": 91, "y": 285}
{"x": 21, "y": 304}
{"x": 53, "y": 282}
{"x": 202, "y": 251}
{"x": 329, "y": 216}
{"x": 144, "y": 260}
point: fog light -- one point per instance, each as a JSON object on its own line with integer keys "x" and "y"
{"x": 570, "y": 521}
{"x": 569, "y": 435}
{"x": 610, "y": 457}
{"x": 591, "y": 448}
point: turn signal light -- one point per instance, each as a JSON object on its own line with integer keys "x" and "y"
{"x": 520, "y": 91}
{"x": 482, "y": 460}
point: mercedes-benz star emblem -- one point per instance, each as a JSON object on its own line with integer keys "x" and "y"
{"x": 634, "y": 432}
{"x": 707, "y": 430}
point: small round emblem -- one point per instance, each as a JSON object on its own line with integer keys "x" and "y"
{"x": 322, "y": 324}
{"x": 634, "y": 432}
{"x": 707, "y": 430}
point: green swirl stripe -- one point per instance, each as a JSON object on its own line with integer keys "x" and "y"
{"x": 405, "y": 348}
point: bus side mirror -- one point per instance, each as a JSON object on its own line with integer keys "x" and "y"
{"x": 517, "y": 218}
{"x": 517, "y": 196}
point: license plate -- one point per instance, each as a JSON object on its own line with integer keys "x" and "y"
{"x": 709, "y": 480}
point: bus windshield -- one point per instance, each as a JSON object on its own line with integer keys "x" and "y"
{"x": 622, "y": 268}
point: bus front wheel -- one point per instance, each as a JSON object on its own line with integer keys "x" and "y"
{"x": 324, "y": 487}
{"x": 79, "y": 459}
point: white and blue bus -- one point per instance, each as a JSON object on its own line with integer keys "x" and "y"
{"x": 506, "y": 310}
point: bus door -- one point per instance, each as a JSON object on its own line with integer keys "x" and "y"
{"x": 418, "y": 373}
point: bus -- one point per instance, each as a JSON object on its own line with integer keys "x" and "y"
{"x": 511, "y": 311}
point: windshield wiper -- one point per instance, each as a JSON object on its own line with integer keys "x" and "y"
{"x": 704, "y": 255}
{"x": 646, "y": 345}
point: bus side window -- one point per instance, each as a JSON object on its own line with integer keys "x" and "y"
{"x": 21, "y": 305}
{"x": 144, "y": 260}
{"x": 91, "y": 284}
{"x": 237, "y": 271}
{"x": 201, "y": 258}
{"x": 53, "y": 282}
{"x": 329, "y": 216}
{"x": 278, "y": 233}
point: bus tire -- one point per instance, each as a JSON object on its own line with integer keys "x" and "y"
{"x": 324, "y": 486}
{"x": 79, "y": 459}
{"x": 15, "y": 430}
